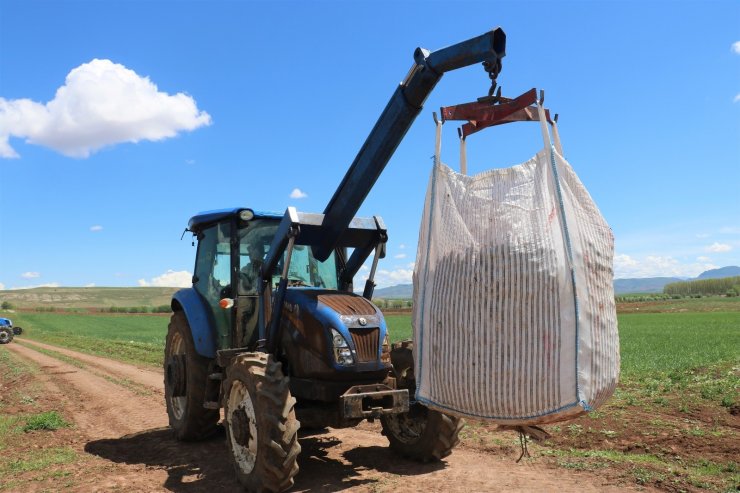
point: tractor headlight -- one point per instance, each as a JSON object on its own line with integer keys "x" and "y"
{"x": 342, "y": 352}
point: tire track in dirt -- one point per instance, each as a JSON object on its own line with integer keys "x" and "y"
{"x": 151, "y": 379}
{"x": 128, "y": 430}
{"x": 102, "y": 408}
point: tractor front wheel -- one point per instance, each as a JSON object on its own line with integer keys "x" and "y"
{"x": 17, "y": 331}
{"x": 185, "y": 377}
{"x": 261, "y": 427}
{"x": 421, "y": 434}
{"x": 6, "y": 335}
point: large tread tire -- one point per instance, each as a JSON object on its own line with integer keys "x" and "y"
{"x": 188, "y": 418}
{"x": 257, "y": 398}
{"x": 17, "y": 331}
{"x": 6, "y": 335}
{"x": 421, "y": 434}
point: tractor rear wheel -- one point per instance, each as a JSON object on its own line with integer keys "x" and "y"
{"x": 185, "y": 377}
{"x": 421, "y": 434}
{"x": 6, "y": 335}
{"x": 261, "y": 427}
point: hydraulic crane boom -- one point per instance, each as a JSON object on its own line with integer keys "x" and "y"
{"x": 397, "y": 117}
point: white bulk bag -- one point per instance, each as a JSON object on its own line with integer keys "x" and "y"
{"x": 514, "y": 313}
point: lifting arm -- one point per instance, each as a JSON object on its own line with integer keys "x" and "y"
{"x": 397, "y": 117}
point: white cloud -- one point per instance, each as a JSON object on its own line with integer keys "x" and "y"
{"x": 91, "y": 285}
{"x": 411, "y": 265}
{"x": 96, "y": 228}
{"x": 100, "y": 104}
{"x": 297, "y": 193}
{"x": 736, "y": 47}
{"x": 30, "y": 275}
{"x": 701, "y": 236}
{"x": 190, "y": 161}
{"x": 400, "y": 255}
{"x": 385, "y": 278}
{"x": 730, "y": 230}
{"x": 718, "y": 247}
{"x": 703, "y": 259}
{"x": 626, "y": 266}
{"x": 170, "y": 279}
{"x": 736, "y": 98}
{"x": 401, "y": 246}
{"x": 2, "y": 286}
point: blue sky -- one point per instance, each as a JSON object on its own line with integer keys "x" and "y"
{"x": 247, "y": 101}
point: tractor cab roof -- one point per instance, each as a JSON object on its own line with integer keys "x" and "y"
{"x": 209, "y": 217}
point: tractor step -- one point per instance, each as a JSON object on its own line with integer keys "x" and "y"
{"x": 211, "y": 405}
{"x": 216, "y": 376}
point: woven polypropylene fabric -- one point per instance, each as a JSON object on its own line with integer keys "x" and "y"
{"x": 514, "y": 313}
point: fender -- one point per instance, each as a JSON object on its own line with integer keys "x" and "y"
{"x": 197, "y": 313}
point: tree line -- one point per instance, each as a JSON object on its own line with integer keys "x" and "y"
{"x": 727, "y": 286}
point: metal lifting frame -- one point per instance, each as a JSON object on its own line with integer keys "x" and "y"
{"x": 397, "y": 117}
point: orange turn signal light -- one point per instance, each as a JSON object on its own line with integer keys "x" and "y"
{"x": 226, "y": 303}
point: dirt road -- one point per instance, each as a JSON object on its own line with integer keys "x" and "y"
{"x": 121, "y": 428}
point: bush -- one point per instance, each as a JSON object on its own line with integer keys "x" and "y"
{"x": 49, "y": 420}
{"x": 7, "y": 305}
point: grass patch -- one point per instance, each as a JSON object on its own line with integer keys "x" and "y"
{"x": 36, "y": 460}
{"x": 49, "y": 420}
{"x": 12, "y": 367}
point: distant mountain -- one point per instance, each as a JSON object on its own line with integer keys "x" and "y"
{"x": 96, "y": 297}
{"x": 398, "y": 292}
{"x": 643, "y": 285}
{"x": 621, "y": 286}
{"x": 656, "y": 284}
{"x": 730, "y": 271}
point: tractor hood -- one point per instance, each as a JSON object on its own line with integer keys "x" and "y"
{"x": 335, "y": 308}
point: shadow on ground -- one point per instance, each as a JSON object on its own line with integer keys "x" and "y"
{"x": 206, "y": 465}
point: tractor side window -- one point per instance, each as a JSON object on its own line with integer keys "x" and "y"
{"x": 213, "y": 265}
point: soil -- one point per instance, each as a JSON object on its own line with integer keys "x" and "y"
{"x": 120, "y": 433}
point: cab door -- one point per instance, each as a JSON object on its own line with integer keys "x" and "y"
{"x": 213, "y": 274}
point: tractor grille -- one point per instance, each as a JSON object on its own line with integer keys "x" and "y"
{"x": 347, "y": 305}
{"x": 366, "y": 343}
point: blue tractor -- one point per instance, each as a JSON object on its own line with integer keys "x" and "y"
{"x": 272, "y": 331}
{"x": 7, "y": 331}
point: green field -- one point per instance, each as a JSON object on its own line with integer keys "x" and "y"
{"x": 650, "y": 342}
{"x": 132, "y": 338}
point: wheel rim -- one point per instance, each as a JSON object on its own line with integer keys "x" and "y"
{"x": 177, "y": 404}
{"x": 242, "y": 423}
{"x": 407, "y": 427}
{"x": 4, "y": 336}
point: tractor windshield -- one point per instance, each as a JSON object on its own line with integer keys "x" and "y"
{"x": 304, "y": 270}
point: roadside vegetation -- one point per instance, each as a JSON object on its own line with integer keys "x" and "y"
{"x": 33, "y": 434}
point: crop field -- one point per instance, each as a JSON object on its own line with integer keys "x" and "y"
{"x": 131, "y": 338}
